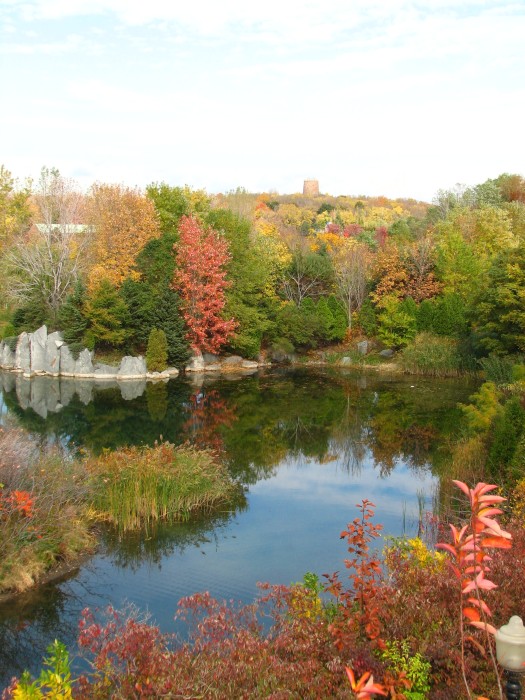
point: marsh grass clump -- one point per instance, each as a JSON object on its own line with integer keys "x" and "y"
{"x": 136, "y": 486}
{"x": 433, "y": 356}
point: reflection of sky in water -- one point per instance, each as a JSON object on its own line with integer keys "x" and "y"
{"x": 292, "y": 525}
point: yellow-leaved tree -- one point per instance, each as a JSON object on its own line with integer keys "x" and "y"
{"x": 123, "y": 220}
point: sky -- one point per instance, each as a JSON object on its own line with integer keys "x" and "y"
{"x": 398, "y": 98}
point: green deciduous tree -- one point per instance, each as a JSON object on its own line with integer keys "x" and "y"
{"x": 500, "y": 307}
{"x": 171, "y": 203}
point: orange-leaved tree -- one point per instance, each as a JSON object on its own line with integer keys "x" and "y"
{"x": 200, "y": 278}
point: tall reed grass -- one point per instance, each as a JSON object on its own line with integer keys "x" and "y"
{"x": 433, "y": 356}
{"x": 136, "y": 486}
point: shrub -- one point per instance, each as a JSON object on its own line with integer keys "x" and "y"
{"x": 416, "y": 669}
{"x": 497, "y": 369}
{"x": 53, "y": 682}
{"x": 8, "y": 331}
{"x": 43, "y": 517}
{"x": 157, "y": 351}
{"x": 432, "y": 356}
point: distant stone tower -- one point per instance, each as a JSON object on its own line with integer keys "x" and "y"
{"x": 311, "y": 188}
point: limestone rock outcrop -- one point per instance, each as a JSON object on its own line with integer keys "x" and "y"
{"x": 43, "y": 353}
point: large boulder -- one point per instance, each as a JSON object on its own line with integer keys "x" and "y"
{"x": 52, "y": 358}
{"x": 132, "y": 368}
{"x": 196, "y": 363}
{"x": 362, "y": 347}
{"x": 232, "y": 362}
{"x": 23, "y": 353}
{"x": 37, "y": 344}
{"x": 103, "y": 371}
{"x": 249, "y": 365}
{"x": 82, "y": 366}
{"x": 7, "y": 356}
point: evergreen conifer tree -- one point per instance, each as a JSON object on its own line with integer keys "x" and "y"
{"x": 71, "y": 319}
{"x": 157, "y": 351}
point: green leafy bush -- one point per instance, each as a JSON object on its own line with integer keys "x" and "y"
{"x": 417, "y": 670}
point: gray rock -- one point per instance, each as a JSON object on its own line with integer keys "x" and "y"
{"x": 84, "y": 363}
{"x": 249, "y": 364}
{"x": 171, "y": 372}
{"x": 38, "y": 342}
{"x": 196, "y": 364}
{"x": 103, "y": 371}
{"x": 213, "y": 367}
{"x": 132, "y": 389}
{"x": 132, "y": 368}
{"x": 210, "y": 359}
{"x": 23, "y": 353}
{"x": 52, "y": 359}
{"x": 345, "y": 361}
{"x": 387, "y": 353}
{"x": 7, "y": 356}
{"x": 232, "y": 362}
{"x": 67, "y": 362}
{"x": 362, "y": 347}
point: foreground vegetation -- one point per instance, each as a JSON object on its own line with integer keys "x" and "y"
{"x": 49, "y": 503}
{"x": 390, "y": 630}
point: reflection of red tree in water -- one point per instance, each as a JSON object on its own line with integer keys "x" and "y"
{"x": 209, "y": 413}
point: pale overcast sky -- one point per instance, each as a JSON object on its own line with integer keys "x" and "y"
{"x": 392, "y": 97}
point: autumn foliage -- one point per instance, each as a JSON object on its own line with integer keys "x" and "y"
{"x": 123, "y": 220}
{"x": 200, "y": 278}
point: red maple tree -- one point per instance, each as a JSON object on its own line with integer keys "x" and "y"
{"x": 200, "y": 278}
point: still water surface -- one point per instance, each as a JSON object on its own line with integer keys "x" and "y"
{"x": 308, "y": 446}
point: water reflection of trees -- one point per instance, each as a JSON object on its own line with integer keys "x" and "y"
{"x": 258, "y": 421}
{"x": 132, "y": 550}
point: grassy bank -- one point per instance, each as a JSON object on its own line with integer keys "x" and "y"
{"x": 43, "y": 511}
{"x": 49, "y": 503}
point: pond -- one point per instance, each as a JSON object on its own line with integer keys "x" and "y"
{"x": 307, "y": 445}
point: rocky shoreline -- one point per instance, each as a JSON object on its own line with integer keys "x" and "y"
{"x": 42, "y": 353}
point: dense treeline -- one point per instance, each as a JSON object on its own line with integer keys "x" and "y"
{"x": 246, "y": 273}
